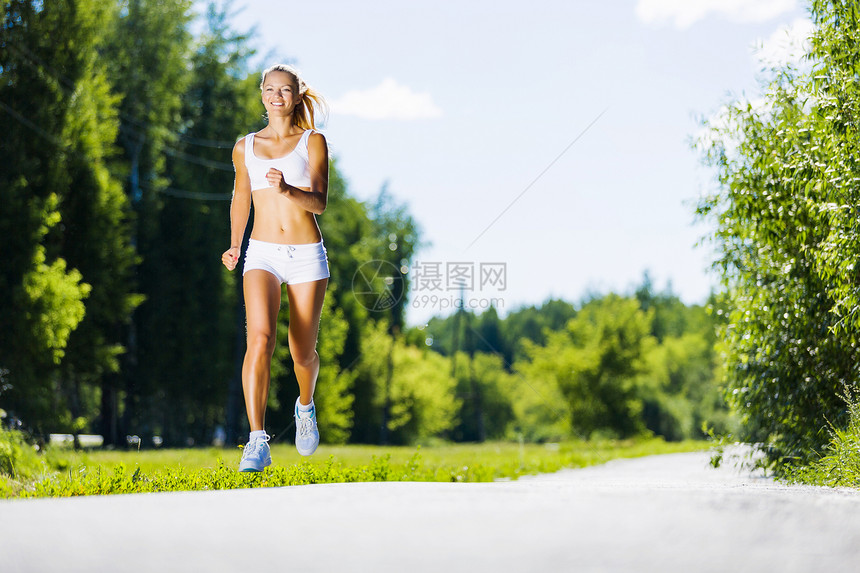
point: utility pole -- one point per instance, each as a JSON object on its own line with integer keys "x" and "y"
{"x": 475, "y": 393}
{"x": 455, "y": 343}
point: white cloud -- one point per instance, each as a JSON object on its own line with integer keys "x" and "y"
{"x": 684, "y": 13}
{"x": 786, "y": 45}
{"x": 388, "y": 100}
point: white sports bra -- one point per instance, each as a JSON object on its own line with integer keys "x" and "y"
{"x": 295, "y": 165}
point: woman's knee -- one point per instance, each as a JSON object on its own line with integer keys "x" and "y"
{"x": 261, "y": 342}
{"x": 304, "y": 357}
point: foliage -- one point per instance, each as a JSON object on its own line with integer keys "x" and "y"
{"x": 63, "y": 223}
{"x": 490, "y": 334}
{"x": 617, "y": 365}
{"x": 680, "y": 395}
{"x": 486, "y": 391}
{"x": 95, "y": 233}
{"x": 333, "y": 395}
{"x": 384, "y": 236}
{"x": 839, "y": 464}
{"x": 146, "y": 55}
{"x": 413, "y": 390}
{"x": 834, "y": 165}
{"x": 334, "y": 385}
{"x": 17, "y": 458}
{"x": 594, "y": 364}
{"x": 193, "y": 342}
{"x": 421, "y": 393}
{"x": 785, "y": 218}
{"x": 541, "y": 411}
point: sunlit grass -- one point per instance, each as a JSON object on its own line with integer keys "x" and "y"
{"x": 565, "y": 454}
{"x": 102, "y": 472}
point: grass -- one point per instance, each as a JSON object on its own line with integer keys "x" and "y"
{"x": 839, "y": 466}
{"x": 68, "y": 473}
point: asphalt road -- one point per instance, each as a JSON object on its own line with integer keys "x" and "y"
{"x": 662, "y": 513}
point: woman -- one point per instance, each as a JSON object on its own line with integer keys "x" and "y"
{"x": 283, "y": 169}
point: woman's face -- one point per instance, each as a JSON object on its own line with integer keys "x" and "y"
{"x": 280, "y": 93}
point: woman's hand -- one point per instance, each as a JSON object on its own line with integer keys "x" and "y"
{"x": 230, "y": 258}
{"x": 276, "y": 179}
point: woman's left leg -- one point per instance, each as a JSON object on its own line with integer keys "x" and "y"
{"x": 306, "y": 301}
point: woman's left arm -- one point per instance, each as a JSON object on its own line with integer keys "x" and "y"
{"x": 316, "y": 198}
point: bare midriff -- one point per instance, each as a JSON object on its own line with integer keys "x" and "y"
{"x": 278, "y": 220}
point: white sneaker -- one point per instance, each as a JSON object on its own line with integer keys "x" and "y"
{"x": 307, "y": 433}
{"x": 256, "y": 455}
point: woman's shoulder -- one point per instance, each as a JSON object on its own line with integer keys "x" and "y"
{"x": 316, "y": 138}
{"x": 239, "y": 146}
{"x": 240, "y": 143}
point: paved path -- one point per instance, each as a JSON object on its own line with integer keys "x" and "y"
{"x": 663, "y": 513}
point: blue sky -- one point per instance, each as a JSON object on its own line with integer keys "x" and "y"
{"x": 464, "y": 109}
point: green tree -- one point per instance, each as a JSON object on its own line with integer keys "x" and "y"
{"x": 61, "y": 208}
{"x": 671, "y": 315}
{"x": 540, "y": 408}
{"x": 334, "y": 386}
{"x": 678, "y": 388}
{"x": 595, "y": 363}
{"x": 483, "y": 386}
{"x": 147, "y": 55}
{"x": 383, "y": 235}
{"x": 535, "y": 322}
{"x": 785, "y": 233}
{"x": 195, "y": 313}
{"x": 491, "y": 334}
{"x": 420, "y": 393}
{"x": 95, "y": 235}
{"x": 834, "y": 167}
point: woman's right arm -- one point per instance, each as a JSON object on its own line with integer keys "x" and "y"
{"x": 240, "y": 207}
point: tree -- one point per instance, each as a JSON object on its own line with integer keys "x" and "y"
{"x": 594, "y": 363}
{"x": 383, "y": 236}
{"x": 833, "y": 86}
{"x": 195, "y": 315}
{"x": 528, "y": 323}
{"x": 62, "y": 209}
{"x": 95, "y": 233}
{"x": 420, "y": 393}
{"x": 147, "y": 58}
{"x": 787, "y": 242}
{"x": 489, "y": 417}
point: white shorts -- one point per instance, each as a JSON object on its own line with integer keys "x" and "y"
{"x": 290, "y": 264}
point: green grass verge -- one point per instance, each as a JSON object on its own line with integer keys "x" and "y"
{"x": 840, "y": 464}
{"x": 67, "y": 473}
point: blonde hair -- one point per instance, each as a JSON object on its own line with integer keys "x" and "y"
{"x": 303, "y": 116}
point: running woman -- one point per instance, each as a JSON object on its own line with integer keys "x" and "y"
{"x": 283, "y": 169}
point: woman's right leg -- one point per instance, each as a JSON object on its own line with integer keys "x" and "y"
{"x": 262, "y": 303}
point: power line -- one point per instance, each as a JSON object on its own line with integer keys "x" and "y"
{"x": 64, "y": 82}
{"x": 170, "y": 191}
{"x": 29, "y": 124}
{"x": 40, "y": 66}
{"x": 36, "y": 63}
{"x": 220, "y": 165}
{"x": 213, "y": 143}
{"x": 195, "y": 195}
